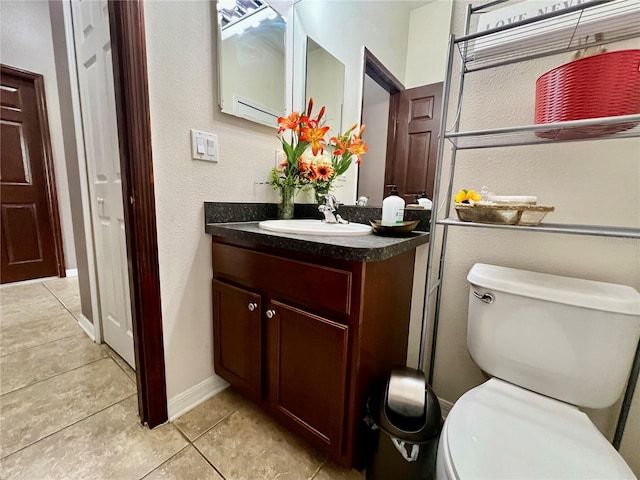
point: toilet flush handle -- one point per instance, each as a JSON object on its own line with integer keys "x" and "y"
{"x": 486, "y": 298}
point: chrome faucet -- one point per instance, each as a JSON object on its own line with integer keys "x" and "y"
{"x": 330, "y": 210}
{"x": 362, "y": 201}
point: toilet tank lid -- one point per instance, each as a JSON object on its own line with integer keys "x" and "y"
{"x": 608, "y": 297}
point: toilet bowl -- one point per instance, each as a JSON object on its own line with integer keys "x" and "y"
{"x": 500, "y": 431}
{"x": 550, "y": 344}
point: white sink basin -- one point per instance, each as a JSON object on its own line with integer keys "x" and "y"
{"x": 315, "y": 227}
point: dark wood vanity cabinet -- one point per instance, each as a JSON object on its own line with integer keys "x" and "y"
{"x": 307, "y": 337}
{"x": 237, "y": 330}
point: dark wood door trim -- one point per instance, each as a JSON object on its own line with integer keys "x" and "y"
{"x": 52, "y": 192}
{"x": 387, "y": 80}
{"x": 126, "y": 21}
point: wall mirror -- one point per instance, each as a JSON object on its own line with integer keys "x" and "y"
{"x": 324, "y": 82}
{"x": 407, "y": 42}
{"x": 251, "y": 60}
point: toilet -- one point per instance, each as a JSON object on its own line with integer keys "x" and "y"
{"x": 549, "y": 344}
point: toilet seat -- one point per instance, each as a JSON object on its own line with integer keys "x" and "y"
{"x": 501, "y": 431}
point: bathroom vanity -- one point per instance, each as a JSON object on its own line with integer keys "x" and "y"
{"x": 305, "y": 326}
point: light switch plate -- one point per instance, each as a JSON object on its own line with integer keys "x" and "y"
{"x": 208, "y": 143}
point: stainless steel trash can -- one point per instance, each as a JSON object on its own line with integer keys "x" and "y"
{"x": 406, "y": 431}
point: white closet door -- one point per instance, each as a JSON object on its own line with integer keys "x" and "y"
{"x": 95, "y": 74}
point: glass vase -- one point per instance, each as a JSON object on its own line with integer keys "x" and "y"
{"x": 320, "y": 190}
{"x": 285, "y": 207}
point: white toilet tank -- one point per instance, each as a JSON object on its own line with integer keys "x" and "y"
{"x": 567, "y": 338}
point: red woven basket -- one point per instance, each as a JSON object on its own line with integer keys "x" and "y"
{"x": 604, "y": 85}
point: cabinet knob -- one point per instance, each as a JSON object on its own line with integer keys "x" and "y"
{"x": 252, "y": 306}
{"x": 271, "y": 313}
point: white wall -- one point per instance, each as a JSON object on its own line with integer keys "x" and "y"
{"x": 182, "y": 88}
{"x": 26, "y": 43}
{"x": 375, "y": 116}
{"x": 594, "y": 182}
{"x": 427, "y": 45}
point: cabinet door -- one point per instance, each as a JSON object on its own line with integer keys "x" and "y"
{"x": 308, "y": 371}
{"x": 237, "y": 337}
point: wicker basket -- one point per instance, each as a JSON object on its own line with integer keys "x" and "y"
{"x": 604, "y": 85}
{"x": 523, "y": 214}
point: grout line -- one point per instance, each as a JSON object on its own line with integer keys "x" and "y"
{"x": 207, "y": 460}
{"x": 318, "y": 470}
{"x": 162, "y": 463}
{"x": 70, "y": 425}
{"x": 54, "y": 376}
{"x": 32, "y": 281}
{"x": 59, "y": 300}
{"x": 182, "y": 434}
{"x": 41, "y": 344}
{"x": 214, "y": 425}
{"x": 135, "y": 381}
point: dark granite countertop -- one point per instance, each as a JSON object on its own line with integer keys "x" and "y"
{"x": 364, "y": 248}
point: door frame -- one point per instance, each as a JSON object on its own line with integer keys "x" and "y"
{"x": 126, "y": 22}
{"x": 52, "y": 192}
{"x": 388, "y": 81}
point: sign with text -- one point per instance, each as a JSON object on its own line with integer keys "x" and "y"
{"x": 597, "y": 19}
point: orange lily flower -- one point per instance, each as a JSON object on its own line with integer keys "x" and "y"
{"x": 309, "y": 108}
{"x": 283, "y": 164}
{"x": 289, "y": 123}
{"x": 315, "y": 136}
{"x": 358, "y": 148}
{"x": 341, "y": 146}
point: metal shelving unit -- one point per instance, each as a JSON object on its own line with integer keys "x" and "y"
{"x": 548, "y": 34}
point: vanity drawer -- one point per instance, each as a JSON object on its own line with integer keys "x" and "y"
{"x": 300, "y": 282}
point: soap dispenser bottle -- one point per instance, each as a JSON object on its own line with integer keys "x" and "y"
{"x": 423, "y": 200}
{"x": 392, "y": 208}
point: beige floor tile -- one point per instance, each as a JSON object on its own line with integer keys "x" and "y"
{"x": 248, "y": 445}
{"x": 197, "y": 421}
{"x": 24, "y": 308}
{"x": 29, "y": 366}
{"x": 329, "y": 471}
{"x": 186, "y": 465}
{"x": 12, "y": 294}
{"x": 108, "y": 445}
{"x": 67, "y": 291}
{"x": 36, "y": 411}
{"x": 38, "y": 332}
{"x": 126, "y": 368}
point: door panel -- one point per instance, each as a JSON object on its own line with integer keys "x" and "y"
{"x": 416, "y": 147}
{"x": 308, "y": 358}
{"x": 237, "y": 335}
{"x": 95, "y": 75}
{"x": 27, "y": 217}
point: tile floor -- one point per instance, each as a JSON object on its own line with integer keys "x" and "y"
{"x": 68, "y": 410}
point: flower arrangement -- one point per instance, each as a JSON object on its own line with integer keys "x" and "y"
{"x": 467, "y": 196}
{"x": 306, "y": 161}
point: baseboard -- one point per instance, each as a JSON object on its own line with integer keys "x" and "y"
{"x": 72, "y": 272}
{"x": 445, "y": 407}
{"x": 87, "y": 326}
{"x": 194, "y": 396}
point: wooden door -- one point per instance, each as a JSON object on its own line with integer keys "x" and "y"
{"x": 95, "y": 75}
{"x": 416, "y": 144}
{"x": 308, "y": 358}
{"x": 31, "y": 240}
{"x": 237, "y": 337}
